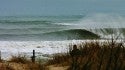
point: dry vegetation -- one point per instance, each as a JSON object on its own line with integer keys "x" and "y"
{"x": 108, "y": 55}
{"x": 20, "y": 63}
{"x": 95, "y": 56}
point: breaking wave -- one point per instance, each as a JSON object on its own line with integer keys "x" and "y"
{"x": 76, "y": 34}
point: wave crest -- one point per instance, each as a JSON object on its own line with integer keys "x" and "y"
{"x": 57, "y": 35}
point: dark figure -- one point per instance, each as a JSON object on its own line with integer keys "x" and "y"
{"x": 75, "y": 53}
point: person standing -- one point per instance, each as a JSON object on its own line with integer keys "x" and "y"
{"x": 75, "y": 53}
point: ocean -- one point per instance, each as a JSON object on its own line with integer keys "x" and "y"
{"x": 36, "y": 28}
{"x": 53, "y": 34}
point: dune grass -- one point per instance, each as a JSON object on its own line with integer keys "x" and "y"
{"x": 21, "y": 62}
{"x": 108, "y": 55}
{"x": 19, "y": 59}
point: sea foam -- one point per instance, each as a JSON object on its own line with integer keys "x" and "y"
{"x": 9, "y": 48}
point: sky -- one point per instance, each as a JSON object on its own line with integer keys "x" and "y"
{"x": 60, "y": 7}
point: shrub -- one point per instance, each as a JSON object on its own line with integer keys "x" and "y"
{"x": 108, "y": 55}
{"x": 19, "y": 59}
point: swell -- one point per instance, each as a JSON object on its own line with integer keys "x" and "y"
{"x": 74, "y": 34}
{"x": 25, "y": 22}
{"x": 23, "y": 29}
{"x": 29, "y": 30}
{"x": 57, "y": 35}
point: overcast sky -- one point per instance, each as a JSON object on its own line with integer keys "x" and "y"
{"x": 60, "y": 7}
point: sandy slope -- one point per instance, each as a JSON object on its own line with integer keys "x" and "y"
{"x": 52, "y": 67}
{"x": 20, "y": 66}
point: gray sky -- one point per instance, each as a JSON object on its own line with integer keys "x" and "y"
{"x": 60, "y": 7}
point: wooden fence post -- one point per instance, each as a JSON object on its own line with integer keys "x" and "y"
{"x": 33, "y": 57}
{"x": 0, "y": 55}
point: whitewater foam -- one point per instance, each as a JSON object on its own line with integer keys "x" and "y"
{"x": 9, "y": 48}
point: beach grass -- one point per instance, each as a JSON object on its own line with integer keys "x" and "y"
{"x": 108, "y": 55}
